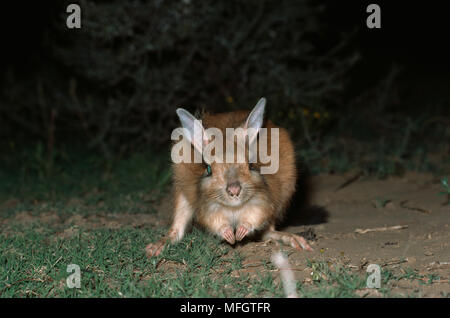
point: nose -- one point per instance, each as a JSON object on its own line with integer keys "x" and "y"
{"x": 234, "y": 189}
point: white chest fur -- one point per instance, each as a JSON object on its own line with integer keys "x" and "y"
{"x": 250, "y": 212}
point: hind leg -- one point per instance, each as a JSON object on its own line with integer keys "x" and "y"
{"x": 291, "y": 239}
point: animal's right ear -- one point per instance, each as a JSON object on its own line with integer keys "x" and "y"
{"x": 195, "y": 131}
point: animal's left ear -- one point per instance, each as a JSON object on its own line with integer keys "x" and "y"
{"x": 255, "y": 120}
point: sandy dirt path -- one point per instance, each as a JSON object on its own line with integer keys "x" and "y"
{"x": 419, "y": 239}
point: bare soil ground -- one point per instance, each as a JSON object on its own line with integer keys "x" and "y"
{"x": 352, "y": 226}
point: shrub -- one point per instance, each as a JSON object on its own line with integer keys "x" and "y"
{"x": 117, "y": 81}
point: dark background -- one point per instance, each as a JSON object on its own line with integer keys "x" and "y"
{"x": 405, "y": 62}
{"x": 414, "y": 35}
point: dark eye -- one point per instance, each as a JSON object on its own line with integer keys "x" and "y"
{"x": 208, "y": 170}
{"x": 253, "y": 167}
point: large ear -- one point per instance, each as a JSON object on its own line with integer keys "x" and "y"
{"x": 196, "y": 133}
{"x": 255, "y": 120}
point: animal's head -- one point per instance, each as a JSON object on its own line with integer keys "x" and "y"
{"x": 227, "y": 174}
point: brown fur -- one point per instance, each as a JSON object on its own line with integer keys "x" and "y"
{"x": 260, "y": 204}
{"x": 274, "y": 190}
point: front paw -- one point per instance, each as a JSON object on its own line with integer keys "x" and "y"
{"x": 227, "y": 233}
{"x": 242, "y": 231}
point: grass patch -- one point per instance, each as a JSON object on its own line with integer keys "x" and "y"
{"x": 130, "y": 185}
{"x": 445, "y": 189}
{"x": 331, "y": 280}
{"x": 113, "y": 264}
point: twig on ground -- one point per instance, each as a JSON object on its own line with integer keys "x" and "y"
{"x": 403, "y": 205}
{"x": 349, "y": 181}
{"x": 381, "y": 229}
{"x": 440, "y": 263}
{"x": 395, "y": 262}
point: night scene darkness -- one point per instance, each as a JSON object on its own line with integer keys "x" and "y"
{"x": 114, "y": 120}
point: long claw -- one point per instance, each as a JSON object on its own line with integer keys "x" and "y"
{"x": 228, "y": 235}
{"x": 241, "y": 232}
